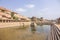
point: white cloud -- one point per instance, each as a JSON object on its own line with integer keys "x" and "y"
{"x": 44, "y": 9}
{"x": 20, "y": 10}
{"x": 24, "y": 10}
{"x": 30, "y": 6}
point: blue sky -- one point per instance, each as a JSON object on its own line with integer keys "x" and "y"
{"x": 49, "y": 9}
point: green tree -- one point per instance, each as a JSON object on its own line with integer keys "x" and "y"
{"x": 12, "y": 15}
{"x": 33, "y": 18}
{"x": 41, "y": 19}
{"x": 16, "y": 18}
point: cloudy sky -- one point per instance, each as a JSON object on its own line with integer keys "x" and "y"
{"x": 49, "y": 9}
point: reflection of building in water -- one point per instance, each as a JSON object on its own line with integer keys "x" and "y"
{"x": 33, "y": 29}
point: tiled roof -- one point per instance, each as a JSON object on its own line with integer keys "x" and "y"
{"x": 2, "y": 8}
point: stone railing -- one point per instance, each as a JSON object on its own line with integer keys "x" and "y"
{"x": 55, "y": 32}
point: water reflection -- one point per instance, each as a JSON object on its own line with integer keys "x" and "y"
{"x": 41, "y": 30}
{"x": 33, "y": 29}
{"x": 29, "y": 33}
{"x": 40, "y": 24}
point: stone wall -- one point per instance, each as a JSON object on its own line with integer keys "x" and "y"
{"x": 14, "y": 24}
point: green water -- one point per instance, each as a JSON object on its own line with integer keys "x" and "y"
{"x": 28, "y": 33}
